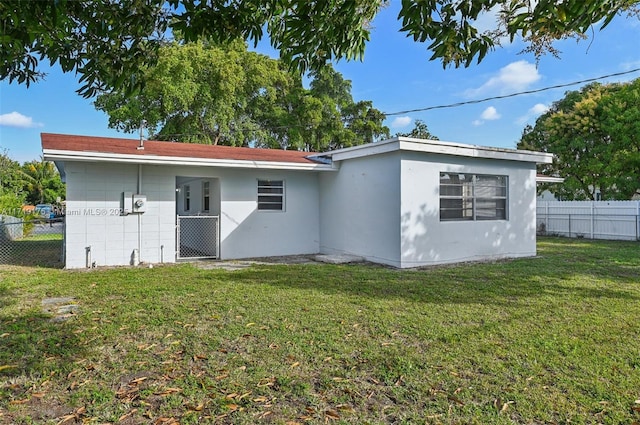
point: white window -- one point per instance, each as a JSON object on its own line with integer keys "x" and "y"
{"x": 472, "y": 197}
{"x": 187, "y": 197}
{"x": 206, "y": 198}
{"x": 271, "y": 195}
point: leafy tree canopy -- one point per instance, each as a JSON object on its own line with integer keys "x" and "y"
{"x": 223, "y": 94}
{"x": 595, "y": 135}
{"x": 34, "y": 182}
{"x": 420, "y": 131}
{"x": 109, "y": 43}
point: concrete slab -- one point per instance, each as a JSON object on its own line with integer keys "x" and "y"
{"x": 338, "y": 259}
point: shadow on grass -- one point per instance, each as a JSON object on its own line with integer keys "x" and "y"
{"x": 33, "y": 344}
{"x": 565, "y": 268}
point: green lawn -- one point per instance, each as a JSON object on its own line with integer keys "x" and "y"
{"x": 547, "y": 340}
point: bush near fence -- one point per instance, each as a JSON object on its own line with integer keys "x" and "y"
{"x": 613, "y": 220}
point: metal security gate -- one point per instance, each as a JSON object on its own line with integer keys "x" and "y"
{"x": 198, "y": 237}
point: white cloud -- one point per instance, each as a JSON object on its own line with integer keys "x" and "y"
{"x": 534, "y": 112}
{"x": 490, "y": 114}
{"x": 16, "y": 119}
{"x": 401, "y": 122}
{"x": 516, "y": 76}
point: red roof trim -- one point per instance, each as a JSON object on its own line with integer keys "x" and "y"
{"x": 108, "y": 145}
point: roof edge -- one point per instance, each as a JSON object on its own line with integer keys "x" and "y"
{"x": 438, "y": 147}
{"x": 64, "y": 155}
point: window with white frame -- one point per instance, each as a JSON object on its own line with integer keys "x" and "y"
{"x": 271, "y": 195}
{"x": 472, "y": 197}
{"x": 187, "y": 197}
{"x": 206, "y": 196}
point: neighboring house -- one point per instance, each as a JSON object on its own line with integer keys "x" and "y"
{"x": 402, "y": 202}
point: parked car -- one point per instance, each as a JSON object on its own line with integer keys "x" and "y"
{"x": 46, "y": 211}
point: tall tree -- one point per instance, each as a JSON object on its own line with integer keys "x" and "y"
{"x": 10, "y": 175}
{"x": 203, "y": 93}
{"x": 420, "y": 131}
{"x": 42, "y": 182}
{"x": 344, "y": 122}
{"x": 200, "y": 93}
{"x": 595, "y": 135}
{"x": 109, "y": 43}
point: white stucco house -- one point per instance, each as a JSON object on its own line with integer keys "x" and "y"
{"x": 401, "y": 202}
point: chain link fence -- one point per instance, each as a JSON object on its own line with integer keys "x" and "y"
{"x": 36, "y": 243}
{"x": 198, "y": 237}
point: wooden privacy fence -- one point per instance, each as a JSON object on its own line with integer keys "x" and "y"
{"x": 616, "y": 220}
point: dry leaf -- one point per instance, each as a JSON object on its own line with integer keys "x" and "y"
{"x": 138, "y": 380}
{"x": 7, "y": 366}
{"x": 296, "y": 364}
{"x": 126, "y": 415}
{"x": 332, "y": 414}
{"x": 455, "y": 400}
{"x": 260, "y": 399}
{"x": 23, "y": 401}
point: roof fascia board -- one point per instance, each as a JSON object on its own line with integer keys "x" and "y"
{"x": 472, "y": 151}
{"x": 62, "y": 155}
{"x": 438, "y": 147}
{"x": 365, "y": 150}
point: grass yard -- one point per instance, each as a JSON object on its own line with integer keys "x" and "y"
{"x": 547, "y": 340}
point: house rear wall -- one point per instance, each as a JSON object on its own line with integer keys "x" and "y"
{"x": 427, "y": 240}
{"x": 360, "y": 209}
{"x": 94, "y": 193}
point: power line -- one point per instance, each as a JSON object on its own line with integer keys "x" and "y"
{"x": 471, "y": 102}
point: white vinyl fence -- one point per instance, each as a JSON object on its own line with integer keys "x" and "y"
{"x": 618, "y": 220}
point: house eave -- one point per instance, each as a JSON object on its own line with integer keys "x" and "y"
{"x": 66, "y": 155}
{"x": 438, "y": 147}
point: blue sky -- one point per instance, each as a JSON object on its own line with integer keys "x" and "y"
{"x": 395, "y": 74}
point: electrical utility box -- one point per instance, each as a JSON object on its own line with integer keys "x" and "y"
{"x": 133, "y": 203}
{"x": 139, "y": 203}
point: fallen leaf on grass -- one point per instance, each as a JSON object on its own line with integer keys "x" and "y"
{"x": 138, "y": 380}
{"x": 126, "y": 415}
{"x": 4, "y": 335}
{"x": 38, "y": 395}
{"x": 296, "y": 364}
{"x": 345, "y": 408}
{"x": 23, "y": 401}
{"x": 195, "y": 408}
{"x": 332, "y": 414}
{"x": 169, "y": 391}
{"x": 455, "y": 400}
{"x": 7, "y": 366}
{"x": 166, "y": 421}
{"x": 265, "y": 414}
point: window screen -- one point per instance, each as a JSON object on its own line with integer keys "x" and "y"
{"x": 271, "y": 195}
{"x": 472, "y": 197}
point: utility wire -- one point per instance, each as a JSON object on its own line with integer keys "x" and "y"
{"x": 471, "y": 102}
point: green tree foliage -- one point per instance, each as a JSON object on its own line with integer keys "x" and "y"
{"x": 205, "y": 93}
{"x": 420, "y": 131}
{"x": 109, "y": 43}
{"x": 10, "y": 175}
{"x": 595, "y": 135}
{"x": 42, "y": 184}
